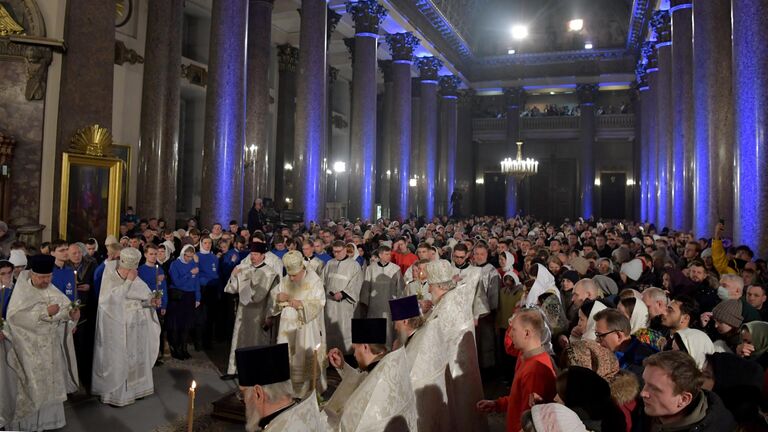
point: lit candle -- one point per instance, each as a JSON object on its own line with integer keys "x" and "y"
{"x": 75, "y": 294}
{"x": 157, "y": 278}
{"x": 191, "y": 407}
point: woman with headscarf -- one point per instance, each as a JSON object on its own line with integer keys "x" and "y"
{"x": 589, "y": 395}
{"x": 754, "y": 342}
{"x": 551, "y": 417}
{"x": 183, "y": 298}
{"x": 585, "y": 329}
{"x": 694, "y": 342}
{"x": 554, "y": 312}
{"x": 544, "y": 282}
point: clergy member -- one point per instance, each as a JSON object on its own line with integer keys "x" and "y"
{"x": 264, "y": 378}
{"x": 384, "y": 400}
{"x": 311, "y": 261}
{"x": 342, "y": 280}
{"x": 127, "y": 333}
{"x": 383, "y": 282}
{"x": 490, "y": 281}
{"x": 252, "y": 281}
{"x": 8, "y": 379}
{"x": 453, "y": 314}
{"x": 427, "y": 364}
{"x": 300, "y": 302}
{"x": 41, "y": 320}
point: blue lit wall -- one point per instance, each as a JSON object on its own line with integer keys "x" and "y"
{"x": 511, "y": 197}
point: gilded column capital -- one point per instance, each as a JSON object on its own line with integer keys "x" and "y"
{"x": 514, "y": 96}
{"x": 367, "y": 15}
{"x": 661, "y": 23}
{"x": 385, "y": 66}
{"x": 428, "y": 67}
{"x": 401, "y": 45}
{"x": 587, "y": 93}
{"x": 449, "y": 85}
{"x": 287, "y": 57}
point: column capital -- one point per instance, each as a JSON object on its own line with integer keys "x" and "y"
{"x": 661, "y": 23}
{"x": 467, "y": 97}
{"x": 428, "y": 67}
{"x": 449, "y": 85}
{"x": 287, "y": 57}
{"x": 385, "y": 66}
{"x": 648, "y": 51}
{"x": 401, "y": 45}
{"x": 641, "y": 73}
{"x": 514, "y": 96}
{"x": 587, "y": 93}
{"x": 350, "y": 44}
{"x": 333, "y": 20}
{"x": 676, "y": 5}
{"x": 367, "y": 15}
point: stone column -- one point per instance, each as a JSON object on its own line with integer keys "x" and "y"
{"x": 682, "y": 114}
{"x": 514, "y": 98}
{"x": 713, "y": 116}
{"x": 637, "y": 150}
{"x": 416, "y": 193}
{"x": 160, "y": 107}
{"x": 222, "y": 189}
{"x": 661, "y": 24}
{"x": 309, "y": 134}
{"x": 87, "y": 73}
{"x": 257, "y": 101}
{"x": 465, "y": 168}
{"x": 332, "y": 75}
{"x": 650, "y": 115}
{"x": 448, "y": 141}
{"x": 587, "y": 93}
{"x": 401, "y": 46}
{"x": 428, "y": 68}
{"x": 750, "y": 87}
{"x": 288, "y": 59}
{"x": 384, "y": 145}
{"x": 367, "y": 15}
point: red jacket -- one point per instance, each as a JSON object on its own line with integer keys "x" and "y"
{"x": 534, "y": 374}
{"x": 405, "y": 261}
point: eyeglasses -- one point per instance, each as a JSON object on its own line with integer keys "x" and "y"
{"x": 600, "y": 336}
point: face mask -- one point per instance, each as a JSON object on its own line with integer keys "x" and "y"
{"x": 723, "y": 293}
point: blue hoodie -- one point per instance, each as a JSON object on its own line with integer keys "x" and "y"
{"x": 64, "y": 280}
{"x": 182, "y": 279}
{"x": 209, "y": 267}
{"x": 147, "y": 274}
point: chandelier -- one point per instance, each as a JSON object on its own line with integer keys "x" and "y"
{"x": 519, "y": 167}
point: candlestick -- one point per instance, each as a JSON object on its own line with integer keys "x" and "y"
{"x": 314, "y": 366}
{"x": 191, "y": 406}
{"x": 157, "y": 278}
{"x": 76, "y": 296}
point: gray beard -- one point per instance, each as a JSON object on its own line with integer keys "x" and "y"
{"x": 402, "y": 337}
{"x": 252, "y": 419}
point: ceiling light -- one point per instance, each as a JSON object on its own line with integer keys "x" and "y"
{"x": 413, "y": 182}
{"x": 339, "y": 166}
{"x": 588, "y": 46}
{"x": 480, "y": 181}
{"x": 551, "y": 93}
{"x": 510, "y": 52}
{"x": 575, "y": 24}
{"x": 519, "y": 31}
{"x": 288, "y": 167}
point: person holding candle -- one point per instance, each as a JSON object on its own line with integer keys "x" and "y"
{"x": 40, "y": 324}
{"x": 127, "y": 334}
{"x": 63, "y": 274}
{"x": 183, "y": 299}
{"x": 154, "y": 276}
{"x": 264, "y": 377}
{"x": 253, "y": 282}
{"x": 83, "y": 270}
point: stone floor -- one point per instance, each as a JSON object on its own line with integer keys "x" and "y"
{"x": 166, "y": 409}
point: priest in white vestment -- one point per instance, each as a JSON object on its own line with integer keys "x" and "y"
{"x": 342, "y": 280}
{"x": 254, "y": 283}
{"x": 427, "y": 362}
{"x": 311, "y": 261}
{"x": 8, "y": 379}
{"x": 453, "y": 315}
{"x": 383, "y": 281}
{"x": 300, "y": 301}
{"x": 424, "y": 252}
{"x": 382, "y": 398}
{"x": 264, "y": 378}
{"x": 40, "y": 324}
{"x": 471, "y": 277}
{"x": 127, "y": 333}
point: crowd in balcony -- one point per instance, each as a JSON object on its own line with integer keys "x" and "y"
{"x": 554, "y": 110}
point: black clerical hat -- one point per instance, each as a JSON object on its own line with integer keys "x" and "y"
{"x": 262, "y": 365}
{"x": 259, "y": 247}
{"x": 404, "y": 308}
{"x": 369, "y": 330}
{"x": 41, "y": 264}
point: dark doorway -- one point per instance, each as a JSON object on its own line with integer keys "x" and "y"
{"x": 613, "y": 189}
{"x": 495, "y": 192}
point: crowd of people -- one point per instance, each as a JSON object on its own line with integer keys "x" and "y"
{"x": 593, "y": 325}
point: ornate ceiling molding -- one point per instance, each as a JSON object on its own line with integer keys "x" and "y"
{"x": 638, "y": 23}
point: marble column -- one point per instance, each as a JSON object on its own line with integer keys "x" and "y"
{"x": 309, "y": 134}
{"x": 384, "y": 144}
{"x": 417, "y": 166}
{"x": 465, "y": 168}
{"x": 327, "y": 176}
{"x": 160, "y": 108}
{"x": 401, "y": 46}
{"x": 587, "y": 93}
{"x": 514, "y": 98}
{"x": 448, "y": 140}
{"x": 682, "y": 114}
{"x": 287, "y": 60}
{"x": 750, "y": 94}
{"x": 637, "y": 150}
{"x": 221, "y": 196}
{"x": 650, "y": 115}
{"x": 367, "y": 16}
{"x": 713, "y": 116}
{"x": 258, "y": 57}
{"x": 428, "y": 68}
{"x": 87, "y": 74}
{"x": 661, "y": 24}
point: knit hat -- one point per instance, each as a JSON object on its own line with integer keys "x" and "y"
{"x": 571, "y": 275}
{"x": 729, "y": 312}
{"x": 633, "y": 269}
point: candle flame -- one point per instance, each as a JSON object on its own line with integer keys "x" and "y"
{"x": 317, "y": 347}
{"x": 194, "y": 385}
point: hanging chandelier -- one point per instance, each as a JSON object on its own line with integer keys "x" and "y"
{"x": 519, "y": 167}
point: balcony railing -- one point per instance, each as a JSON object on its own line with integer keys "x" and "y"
{"x": 608, "y": 126}
{"x": 616, "y": 121}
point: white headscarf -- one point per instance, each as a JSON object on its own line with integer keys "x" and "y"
{"x": 357, "y": 252}
{"x": 544, "y": 281}
{"x": 555, "y": 417}
{"x": 698, "y": 345}
{"x": 183, "y": 250}
{"x": 639, "y": 319}
{"x": 510, "y": 261}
